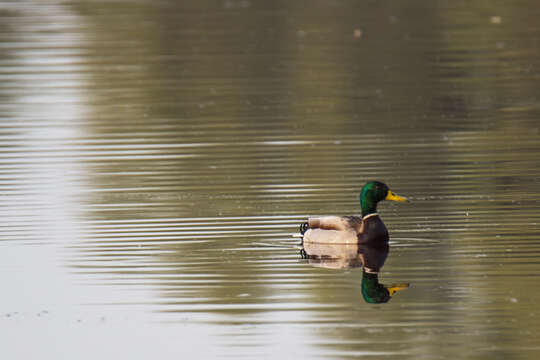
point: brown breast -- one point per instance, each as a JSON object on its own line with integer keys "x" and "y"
{"x": 373, "y": 232}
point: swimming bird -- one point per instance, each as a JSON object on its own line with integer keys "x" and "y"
{"x": 367, "y": 229}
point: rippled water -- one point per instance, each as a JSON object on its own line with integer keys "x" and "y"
{"x": 156, "y": 158}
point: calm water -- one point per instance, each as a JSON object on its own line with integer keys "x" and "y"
{"x": 156, "y": 158}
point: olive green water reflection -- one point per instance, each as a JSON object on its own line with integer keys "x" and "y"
{"x": 157, "y": 156}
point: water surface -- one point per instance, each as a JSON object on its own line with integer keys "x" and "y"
{"x": 156, "y": 158}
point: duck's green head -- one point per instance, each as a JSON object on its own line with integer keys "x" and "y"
{"x": 372, "y": 193}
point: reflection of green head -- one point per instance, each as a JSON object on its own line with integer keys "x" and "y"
{"x": 375, "y": 292}
{"x": 372, "y": 290}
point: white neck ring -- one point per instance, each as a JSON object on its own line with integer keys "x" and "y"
{"x": 369, "y": 215}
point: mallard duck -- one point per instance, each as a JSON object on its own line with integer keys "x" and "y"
{"x": 367, "y": 229}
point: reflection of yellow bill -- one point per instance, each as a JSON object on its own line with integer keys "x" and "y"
{"x": 394, "y": 197}
{"x": 392, "y": 289}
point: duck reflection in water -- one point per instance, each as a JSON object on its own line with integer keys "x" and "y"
{"x": 351, "y": 241}
{"x": 346, "y": 256}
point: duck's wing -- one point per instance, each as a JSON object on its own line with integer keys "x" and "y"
{"x": 322, "y": 236}
{"x": 332, "y": 223}
{"x": 355, "y": 222}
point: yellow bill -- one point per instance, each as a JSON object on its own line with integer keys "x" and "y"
{"x": 392, "y": 289}
{"x": 394, "y": 197}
